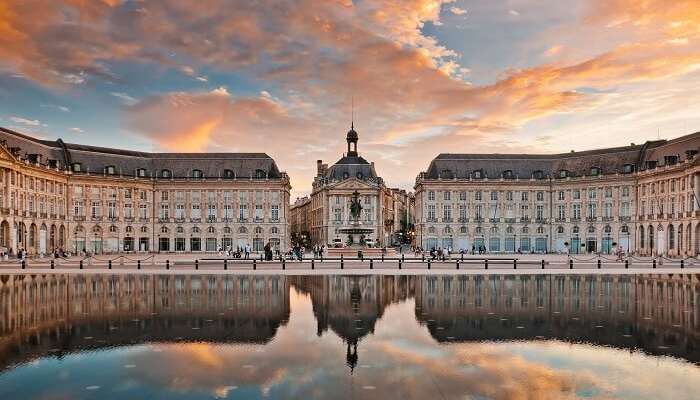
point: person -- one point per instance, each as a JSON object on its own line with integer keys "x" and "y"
{"x": 268, "y": 251}
{"x": 247, "y": 251}
{"x": 472, "y": 249}
{"x": 620, "y": 253}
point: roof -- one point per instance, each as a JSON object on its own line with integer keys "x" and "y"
{"x": 525, "y": 166}
{"x": 126, "y": 162}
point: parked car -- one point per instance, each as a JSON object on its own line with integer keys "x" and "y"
{"x": 337, "y": 243}
{"x": 369, "y": 242}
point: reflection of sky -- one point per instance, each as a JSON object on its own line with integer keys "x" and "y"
{"x": 401, "y": 360}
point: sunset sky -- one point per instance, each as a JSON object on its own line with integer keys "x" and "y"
{"x": 427, "y": 76}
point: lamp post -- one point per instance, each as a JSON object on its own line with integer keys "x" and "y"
{"x": 75, "y": 242}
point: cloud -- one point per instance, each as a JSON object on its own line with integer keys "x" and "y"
{"x": 77, "y": 130}
{"x": 25, "y": 121}
{"x": 125, "y": 98}
{"x": 513, "y": 13}
{"x": 458, "y": 11}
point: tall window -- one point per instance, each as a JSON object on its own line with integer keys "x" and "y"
{"x": 275, "y": 211}
{"x": 112, "y": 209}
{"x": 431, "y": 212}
{"x": 446, "y": 212}
{"x": 447, "y": 195}
{"x": 164, "y": 211}
{"x": 431, "y": 195}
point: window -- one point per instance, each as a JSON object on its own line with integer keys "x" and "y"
{"x": 275, "y": 211}
{"x": 259, "y": 174}
{"x": 628, "y": 169}
{"x": 563, "y": 173}
{"x": 576, "y": 211}
{"x": 431, "y": 195}
{"x": 77, "y": 167}
{"x": 446, "y": 195}
{"x": 477, "y": 174}
{"x": 431, "y": 212}
{"x": 560, "y": 195}
{"x": 164, "y": 229}
{"x": 228, "y": 174}
{"x": 524, "y": 196}
{"x": 576, "y": 194}
{"x": 144, "y": 229}
{"x": 560, "y": 229}
{"x": 112, "y": 209}
{"x": 477, "y": 195}
{"x": 509, "y": 195}
{"x": 608, "y": 192}
{"x": 494, "y": 195}
{"x": 595, "y": 171}
{"x": 164, "y": 211}
{"x": 592, "y": 194}
{"x": 112, "y": 229}
{"x": 274, "y": 230}
{"x": 165, "y": 174}
{"x": 446, "y": 212}
{"x": 538, "y": 174}
{"x": 196, "y": 212}
{"x": 211, "y": 230}
{"x": 508, "y": 174}
{"x": 540, "y": 196}
{"x": 462, "y": 195}
{"x": 197, "y": 174}
{"x": 110, "y": 170}
{"x": 141, "y": 172}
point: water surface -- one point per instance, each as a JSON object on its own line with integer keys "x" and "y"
{"x": 345, "y": 337}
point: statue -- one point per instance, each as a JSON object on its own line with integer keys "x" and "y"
{"x": 355, "y": 206}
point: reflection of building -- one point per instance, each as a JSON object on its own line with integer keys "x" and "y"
{"x": 640, "y": 196}
{"x": 644, "y": 311}
{"x": 329, "y": 210}
{"x": 73, "y": 312}
{"x": 76, "y": 197}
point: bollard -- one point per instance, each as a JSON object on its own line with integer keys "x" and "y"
{"x": 261, "y": 258}
{"x": 196, "y": 264}
{"x": 486, "y": 264}
{"x": 571, "y": 263}
{"x": 138, "y": 264}
{"x": 52, "y": 267}
{"x": 599, "y": 263}
{"x": 341, "y": 261}
{"x": 321, "y": 256}
{"x": 461, "y": 257}
{"x": 457, "y": 264}
{"x": 371, "y": 263}
{"x": 167, "y": 264}
{"x": 312, "y": 263}
{"x": 24, "y": 264}
{"x": 542, "y": 263}
{"x": 428, "y": 263}
{"x": 515, "y": 264}
{"x": 682, "y": 264}
{"x": 422, "y": 257}
{"x": 81, "y": 264}
{"x": 225, "y": 264}
{"x": 109, "y": 264}
{"x": 653, "y": 263}
{"x": 400, "y": 262}
{"x": 284, "y": 264}
{"x": 255, "y": 266}
{"x": 402, "y": 258}
{"x": 627, "y": 264}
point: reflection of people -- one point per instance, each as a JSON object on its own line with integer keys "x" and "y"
{"x": 351, "y": 356}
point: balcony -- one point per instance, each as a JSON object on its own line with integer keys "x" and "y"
{"x": 575, "y": 219}
{"x": 559, "y": 219}
{"x": 44, "y": 215}
{"x": 128, "y": 219}
{"x": 478, "y": 220}
{"x": 180, "y": 220}
{"x": 447, "y": 220}
{"x": 434, "y": 220}
{"x": 79, "y": 218}
{"x": 211, "y": 220}
{"x": 242, "y": 220}
{"x": 463, "y": 220}
{"x": 258, "y": 219}
{"x": 143, "y": 219}
{"x": 525, "y": 220}
{"x": 163, "y": 220}
{"x": 275, "y": 220}
{"x": 510, "y": 220}
{"x": 494, "y": 220}
{"x": 625, "y": 219}
{"x": 541, "y": 220}
{"x": 196, "y": 220}
{"x": 608, "y": 219}
{"x": 688, "y": 214}
{"x": 591, "y": 219}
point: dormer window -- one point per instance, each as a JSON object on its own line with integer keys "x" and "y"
{"x": 53, "y": 163}
{"x": 110, "y": 170}
{"x": 538, "y": 175}
{"x": 628, "y": 169}
{"x": 595, "y": 171}
{"x": 446, "y": 174}
{"x": 141, "y": 172}
{"x": 166, "y": 174}
{"x": 77, "y": 167}
{"x": 259, "y": 174}
{"x": 197, "y": 174}
{"x": 228, "y": 174}
{"x": 478, "y": 174}
{"x": 359, "y": 175}
{"x": 563, "y": 173}
{"x": 508, "y": 174}
{"x": 651, "y": 164}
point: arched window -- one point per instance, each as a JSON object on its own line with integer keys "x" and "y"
{"x": 258, "y": 230}
{"x": 260, "y": 174}
{"x": 197, "y": 174}
{"x": 77, "y": 167}
{"x": 227, "y": 230}
{"x": 164, "y": 229}
{"x": 510, "y": 230}
{"x": 463, "y": 229}
{"x": 575, "y": 230}
{"x": 359, "y": 175}
{"x": 195, "y": 230}
{"x": 625, "y": 229}
{"x": 591, "y": 229}
{"x": 166, "y": 174}
{"x": 144, "y": 229}
{"x": 128, "y": 229}
{"x": 447, "y": 230}
{"x": 538, "y": 174}
{"x": 560, "y": 229}
{"x": 595, "y": 171}
{"x": 113, "y": 229}
{"x": 180, "y": 229}
{"x": 479, "y": 230}
{"x": 525, "y": 229}
{"x": 274, "y": 230}
{"x": 431, "y": 229}
{"x": 242, "y": 230}
{"x": 607, "y": 229}
{"x": 540, "y": 229}
{"x": 110, "y": 170}
{"x": 641, "y": 237}
{"x": 671, "y": 237}
{"x": 141, "y": 172}
{"x": 228, "y": 174}
{"x": 494, "y": 230}
{"x": 211, "y": 230}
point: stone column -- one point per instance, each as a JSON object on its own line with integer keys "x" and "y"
{"x": 696, "y": 192}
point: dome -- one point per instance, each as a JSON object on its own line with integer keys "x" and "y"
{"x": 352, "y": 135}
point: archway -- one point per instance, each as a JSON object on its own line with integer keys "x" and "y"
{"x": 52, "y": 237}
{"x": 5, "y": 235}
{"x": 43, "y": 231}
{"x": 661, "y": 241}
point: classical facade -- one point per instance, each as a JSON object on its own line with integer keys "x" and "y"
{"x": 75, "y": 197}
{"x": 641, "y": 197}
{"x": 347, "y": 201}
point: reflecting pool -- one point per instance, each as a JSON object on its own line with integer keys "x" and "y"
{"x": 349, "y": 337}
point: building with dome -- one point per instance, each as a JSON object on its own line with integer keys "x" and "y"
{"x": 349, "y": 202}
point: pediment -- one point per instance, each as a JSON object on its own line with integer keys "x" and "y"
{"x": 352, "y": 184}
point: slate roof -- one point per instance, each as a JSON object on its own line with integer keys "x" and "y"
{"x": 525, "y": 166}
{"x": 94, "y": 159}
{"x": 351, "y": 166}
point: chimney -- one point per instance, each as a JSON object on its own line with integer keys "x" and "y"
{"x": 319, "y": 167}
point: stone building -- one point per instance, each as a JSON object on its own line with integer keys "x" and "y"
{"x": 76, "y": 197}
{"x": 641, "y": 197}
{"x": 329, "y": 209}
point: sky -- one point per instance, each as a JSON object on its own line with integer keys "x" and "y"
{"x": 281, "y": 77}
